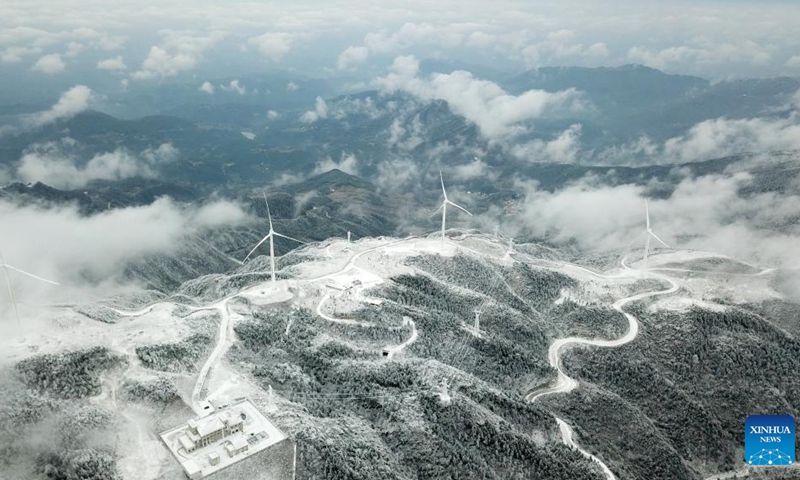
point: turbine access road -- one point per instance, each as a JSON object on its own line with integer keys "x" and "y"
{"x": 225, "y": 329}
{"x": 564, "y": 383}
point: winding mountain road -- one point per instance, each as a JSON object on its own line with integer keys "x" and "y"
{"x": 564, "y": 383}
{"x": 221, "y": 346}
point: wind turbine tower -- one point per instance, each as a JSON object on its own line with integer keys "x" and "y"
{"x": 648, "y": 233}
{"x": 271, "y": 236}
{"x": 477, "y": 325}
{"x": 443, "y": 208}
{"x": 6, "y": 267}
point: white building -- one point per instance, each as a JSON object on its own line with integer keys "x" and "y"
{"x": 204, "y": 446}
{"x": 205, "y": 431}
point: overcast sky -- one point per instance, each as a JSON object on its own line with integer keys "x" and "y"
{"x": 154, "y": 41}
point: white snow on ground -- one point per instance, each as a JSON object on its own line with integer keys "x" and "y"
{"x": 391, "y": 351}
{"x": 333, "y": 284}
{"x": 566, "y": 439}
{"x": 682, "y": 304}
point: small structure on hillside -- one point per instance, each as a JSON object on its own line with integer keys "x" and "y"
{"x": 204, "y": 446}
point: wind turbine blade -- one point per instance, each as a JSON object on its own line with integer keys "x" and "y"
{"x": 662, "y": 241}
{"x": 11, "y": 296}
{"x": 442, "y": 180}
{"x": 288, "y": 238}
{"x": 647, "y": 213}
{"x": 257, "y": 245}
{"x": 636, "y": 239}
{"x": 269, "y": 215}
{"x": 31, "y": 275}
{"x": 459, "y": 207}
{"x": 437, "y": 210}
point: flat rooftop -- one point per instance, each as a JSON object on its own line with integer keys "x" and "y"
{"x": 257, "y": 435}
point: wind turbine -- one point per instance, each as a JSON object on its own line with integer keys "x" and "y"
{"x": 648, "y": 233}
{"x": 6, "y": 267}
{"x": 271, "y": 236}
{"x": 443, "y": 207}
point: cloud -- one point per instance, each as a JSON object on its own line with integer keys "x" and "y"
{"x": 165, "y": 153}
{"x": 98, "y": 247}
{"x": 703, "y": 52}
{"x": 722, "y": 137}
{"x": 287, "y": 179}
{"x": 71, "y": 102}
{"x": 351, "y": 57}
{"x": 448, "y": 29}
{"x": 273, "y": 114}
{"x": 475, "y": 169}
{"x": 234, "y": 86}
{"x": 481, "y": 40}
{"x": 15, "y": 54}
{"x": 563, "y": 149}
{"x": 347, "y": 164}
{"x": 113, "y": 64}
{"x": 74, "y": 48}
{"x": 560, "y": 45}
{"x": 707, "y": 140}
{"x": 178, "y": 52}
{"x": 160, "y": 63}
{"x": 406, "y": 135}
{"x": 793, "y": 62}
{"x": 207, "y": 88}
{"x": 218, "y": 214}
{"x": 49, "y": 164}
{"x": 705, "y": 213}
{"x": 320, "y": 111}
{"x": 49, "y": 64}
{"x": 396, "y": 173}
{"x": 291, "y": 87}
{"x": 497, "y": 114}
{"x": 272, "y": 45}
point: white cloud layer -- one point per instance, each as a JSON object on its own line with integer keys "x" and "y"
{"x": 178, "y": 52}
{"x": 206, "y": 87}
{"x": 320, "y": 112}
{"x": 347, "y": 164}
{"x": 497, "y": 113}
{"x": 705, "y": 213}
{"x": 234, "y": 87}
{"x": 113, "y": 64}
{"x": 49, "y": 64}
{"x": 49, "y": 164}
{"x": 100, "y": 245}
{"x": 73, "y": 101}
{"x": 272, "y": 45}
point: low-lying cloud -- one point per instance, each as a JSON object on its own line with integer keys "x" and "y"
{"x": 61, "y": 244}
{"x": 177, "y": 53}
{"x": 56, "y": 166}
{"x": 498, "y": 114}
{"x": 347, "y": 164}
{"x": 49, "y": 64}
{"x": 320, "y": 112}
{"x": 704, "y": 213}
